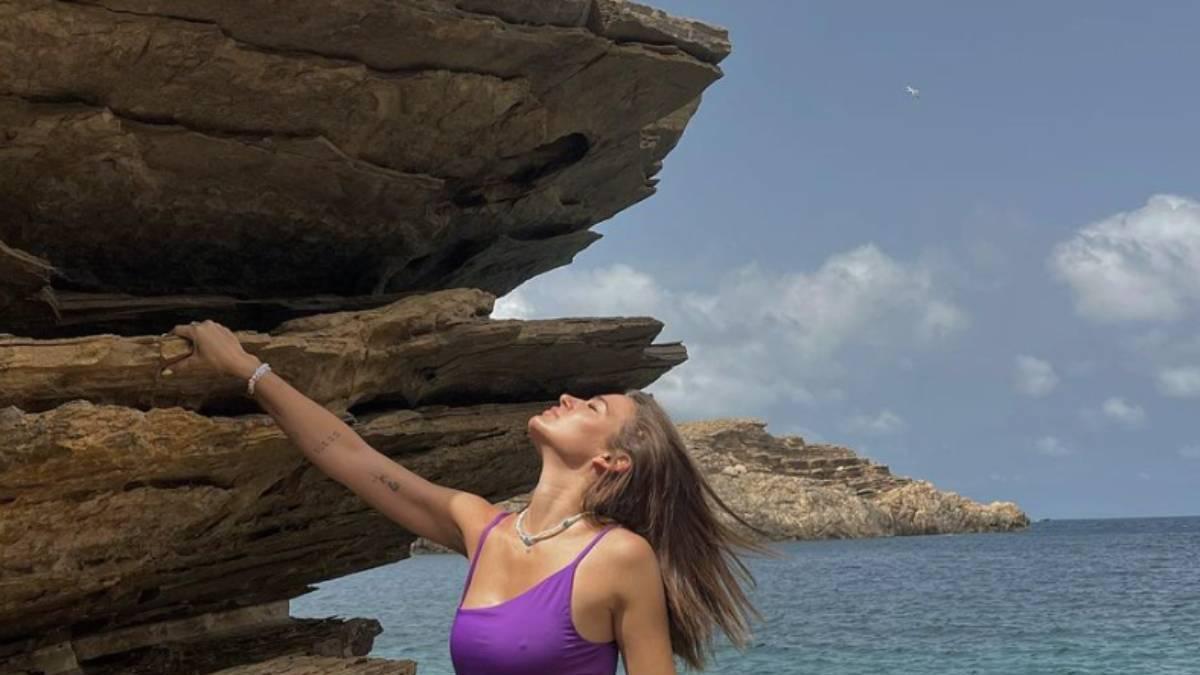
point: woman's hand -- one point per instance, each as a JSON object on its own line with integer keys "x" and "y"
{"x": 214, "y": 346}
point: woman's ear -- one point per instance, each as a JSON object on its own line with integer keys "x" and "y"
{"x": 624, "y": 464}
{"x": 610, "y": 461}
{"x": 619, "y": 462}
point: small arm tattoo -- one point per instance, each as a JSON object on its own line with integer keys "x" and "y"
{"x": 392, "y": 485}
{"x": 325, "y": 443}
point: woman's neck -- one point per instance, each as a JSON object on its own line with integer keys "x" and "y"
{"x": 556, "y": 498}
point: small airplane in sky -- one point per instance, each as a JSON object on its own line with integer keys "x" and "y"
{"x": 915, "y": 93}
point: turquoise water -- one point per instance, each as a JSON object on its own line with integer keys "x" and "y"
{"x": 1064, "y": 597}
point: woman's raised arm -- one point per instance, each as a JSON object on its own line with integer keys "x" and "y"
{"x": 441, "y": 514}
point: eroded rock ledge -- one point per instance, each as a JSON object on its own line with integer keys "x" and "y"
{"x": 115, "y": 518}
{"x": 163, "y": 161}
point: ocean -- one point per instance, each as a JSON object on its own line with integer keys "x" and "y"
{"x": 1064, "y": 597}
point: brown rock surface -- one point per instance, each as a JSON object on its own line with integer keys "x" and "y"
{"x": 214, "y": 159}
{"x": 815, "y": 491}
{"x": 346, "y": 184}
{"x": 425, "y": 349}
{"x": 324, "y": 665}
{"x": 115, "y": 516}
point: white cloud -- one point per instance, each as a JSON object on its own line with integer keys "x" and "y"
{"x": 512, "y": 306}
{"x": 618, "y": 290}
{"x": 1138, "y": 265}
{"x": 1129, "y": 414}
{"x": 1180, "y": 382}
{"x": 1113, "y": 410}
{"x": 759, "y": 337}
{"x": 851, "y": 293}
{"x": 940, "y": 320}
{"x": 884, "y": 423}
{"x": 1190, "y": 452}
{"x": 1035, "y": 377}
{"x": 1049, "y": 445}
{"x": 713, "y": 382}
{"x": 1169, "y": 357}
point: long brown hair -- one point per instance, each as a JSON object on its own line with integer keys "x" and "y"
{"x": 665, "y": 498}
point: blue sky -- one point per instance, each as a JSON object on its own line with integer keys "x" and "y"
{"x": 994, "y": 287}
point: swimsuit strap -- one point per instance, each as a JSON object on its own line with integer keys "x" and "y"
{"x": 593, "y": 542}
{"x": 479, "y": 547}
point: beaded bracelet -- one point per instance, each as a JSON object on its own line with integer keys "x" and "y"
{"x": 261, "y": 370}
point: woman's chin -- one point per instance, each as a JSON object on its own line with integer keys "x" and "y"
{"x": 536, "y": 429}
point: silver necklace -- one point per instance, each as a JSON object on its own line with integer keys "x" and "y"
{"x": 529, "y": 540}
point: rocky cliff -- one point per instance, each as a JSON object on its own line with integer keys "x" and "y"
{"x": 225, "y": 159}
{"x": 348, "y": 185}
{"x": 798, "y": 490}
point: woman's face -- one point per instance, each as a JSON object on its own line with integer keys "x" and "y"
{"x": 578, "y": 428}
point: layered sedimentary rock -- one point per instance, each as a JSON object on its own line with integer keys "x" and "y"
{"x": 345, "y": 184}
{"x": 797, "y": 490}
{"x": 117, "y": 515}
{"x": 165, "y": 161}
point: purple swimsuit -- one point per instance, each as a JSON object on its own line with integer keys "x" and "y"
{"x": 531, "y": 634}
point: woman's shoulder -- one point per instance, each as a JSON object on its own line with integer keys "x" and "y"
{"x": 624, "y": 545}
{"x": 473, "y": 518}
{"x": 626, "y": 565}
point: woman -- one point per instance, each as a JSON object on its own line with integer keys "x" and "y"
{"x": 618, "y": 550}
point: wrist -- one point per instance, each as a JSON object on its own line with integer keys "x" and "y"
{"x": 244, "y": 369}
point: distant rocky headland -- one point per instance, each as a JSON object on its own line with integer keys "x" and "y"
{"x": 798, "y": 490}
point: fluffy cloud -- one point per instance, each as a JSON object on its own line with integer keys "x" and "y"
{"x": 1190, "y": 452}
{"x": 1114, "y": 410}
{"x": 886, "y": 422}
{"x": 725, "y": 381}
{"x": 618, "y": 290}
{"x": 1180, "y": 382}
{"x": 1034, "y": 376}
{"x": 1118, "y": 410}
{"x": 1138, "y": 265}
{"x": 758, "y": 337}
{"x": 1049, "y": 445}
{"x": 512, "y": 306}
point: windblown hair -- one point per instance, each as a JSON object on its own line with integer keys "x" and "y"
{"x": 665, "y": 498}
